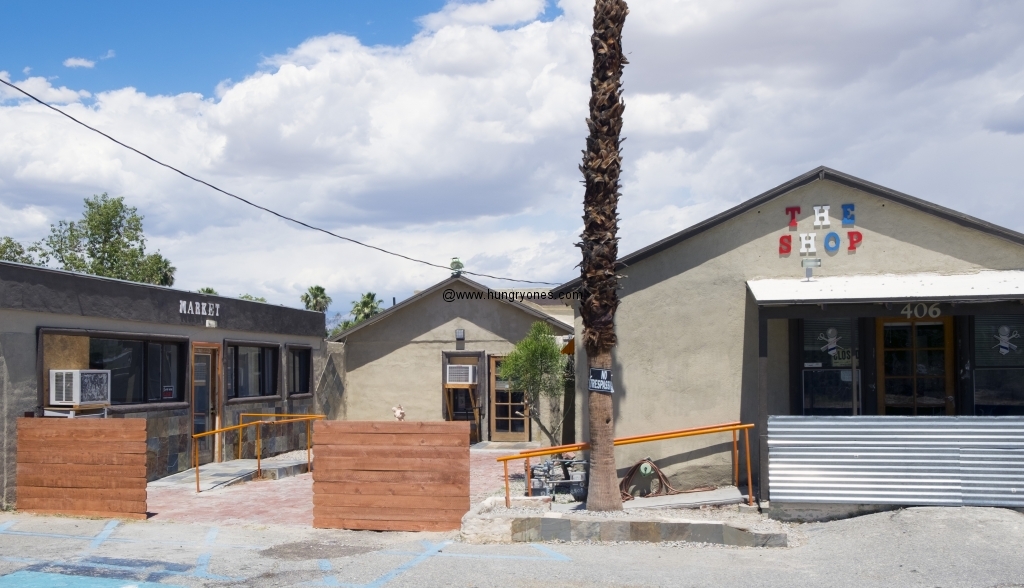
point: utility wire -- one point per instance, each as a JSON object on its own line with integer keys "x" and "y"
{"x": 263, "y": 208}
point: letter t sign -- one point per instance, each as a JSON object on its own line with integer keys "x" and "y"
{"x": 792, "y": 211}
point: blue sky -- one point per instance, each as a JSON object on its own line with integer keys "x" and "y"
{"x": 186, "y": 45}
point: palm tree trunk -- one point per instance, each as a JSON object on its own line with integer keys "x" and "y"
{"x": 601, "y": 164}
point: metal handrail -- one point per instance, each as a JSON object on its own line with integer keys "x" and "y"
{"x": 733, "y": 426}
{"x": 293, "y": 418}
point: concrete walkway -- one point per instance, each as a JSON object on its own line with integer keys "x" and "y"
{"x": 213, "y": 476}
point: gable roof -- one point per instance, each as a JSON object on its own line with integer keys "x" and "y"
{"x": 434, "y": 289}
{"x": 816, "y": 174}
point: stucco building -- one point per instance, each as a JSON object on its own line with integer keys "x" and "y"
{"x": 185, "y": 362}
{"x": 913, "y": 309}
{"x": 402, "y": 357}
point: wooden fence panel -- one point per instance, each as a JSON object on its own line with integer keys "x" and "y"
{"x": 89, "y": 467}
{"x": 390, "y": 476}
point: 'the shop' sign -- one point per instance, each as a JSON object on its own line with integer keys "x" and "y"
{"x": 832, "y": 240}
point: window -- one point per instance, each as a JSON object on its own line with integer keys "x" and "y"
{"x": 828, "y": 350}
{"x": 140, "y": 371}
{"x": 298, "y": 371}
{"x": 999, "y": 376}
{"x": 251, "y": 371}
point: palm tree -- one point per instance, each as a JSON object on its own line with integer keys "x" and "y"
{"x": 602, "y": 162}
{"x": 316, "y": 298}
{"x": 365, "y": 307}
{"x": 207, "y": 290}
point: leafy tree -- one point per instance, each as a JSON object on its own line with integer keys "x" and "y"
{"x": 536, "y": 366}
{"x": 208, "y": 290}
{"x": 602, "y": 162}
{"x": 107, "y": 241}
{"x": 368, "y": 305}
{"x": 252, "y": 298}
{"x": 11, "y": 250}
{"x": 316, "y": 299}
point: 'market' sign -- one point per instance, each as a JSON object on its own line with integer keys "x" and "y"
{"x": 601, "y": 380}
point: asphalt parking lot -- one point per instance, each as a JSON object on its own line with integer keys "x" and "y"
{"x": 927, "y": 547}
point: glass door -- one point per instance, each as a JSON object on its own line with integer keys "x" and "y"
{"x": 204, "y": 401}
{"x": 915, "y": 367}
{"x": 508, "y": 409}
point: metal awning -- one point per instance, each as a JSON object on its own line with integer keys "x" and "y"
{"x": 983, "y": 286}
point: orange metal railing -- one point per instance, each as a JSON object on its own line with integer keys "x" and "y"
{"x": 733, "y": 427}
{"x": 289, "y": 418}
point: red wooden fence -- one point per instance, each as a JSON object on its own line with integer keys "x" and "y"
{"x": 93, "y": 467}
{"x": 390, "y": 476}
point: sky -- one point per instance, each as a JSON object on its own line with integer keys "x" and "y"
{"x": 441, "y": 129}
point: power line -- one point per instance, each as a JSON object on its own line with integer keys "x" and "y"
{"x": 263, "y": 208}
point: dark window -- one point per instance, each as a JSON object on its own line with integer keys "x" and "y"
{"x": 251, "y": 371}
{"x": 828, "y": 350}
{"x": 999, "y": 376}
{"x": 299, "y": 366}
{"x": 140, "y": 371}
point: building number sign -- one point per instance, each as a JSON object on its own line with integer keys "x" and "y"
{"x": 921, "y": 310}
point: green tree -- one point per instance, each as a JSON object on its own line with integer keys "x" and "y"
{"x": 602, "y": 163}
{"x": 252, "y": 298}
{"x": 536, "y": 367}
{"x": 107, "y": 241}
{"x": 11, "y": 250}
{"x": 316, "y": 299}
{"x": 208, "y": 290}
{"x": 368, "y": 305}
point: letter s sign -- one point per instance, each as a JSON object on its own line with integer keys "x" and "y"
{"x": 785, "y": 244}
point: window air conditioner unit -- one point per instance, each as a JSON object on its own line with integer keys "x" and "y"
{"x": 461, "y": 374}
{"x": 79, "y": 387}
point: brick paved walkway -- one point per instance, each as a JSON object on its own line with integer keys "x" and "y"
{"x": 290, "y": 501}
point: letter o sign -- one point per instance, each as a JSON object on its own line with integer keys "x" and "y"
{"x": 832, "y": 242}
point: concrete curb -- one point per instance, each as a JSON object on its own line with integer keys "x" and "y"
{"x": 269, "y": 473}
{"x": 485, "y": 524}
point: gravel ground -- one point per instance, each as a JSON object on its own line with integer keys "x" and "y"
{"x": 915, "y": 547}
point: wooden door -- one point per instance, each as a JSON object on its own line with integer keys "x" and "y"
{"x": 915, "y": 366}
{"x": 508, "y": 409}
{"x": 204, "y": 401}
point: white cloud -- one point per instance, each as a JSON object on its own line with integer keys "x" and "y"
{"x": 26, "y": 70}
{"x": 79, "y": 62}
{"x": 466, "y": 140}
{"x": 41, "y": 88}
{"x": 109, "y": 54}
{"x": 490, "y": 13}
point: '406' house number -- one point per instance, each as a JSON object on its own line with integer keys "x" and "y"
{"x": 921, "y": 310}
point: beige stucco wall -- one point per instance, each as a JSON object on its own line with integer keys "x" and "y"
{"x": 398, "y": 360}
{"x": 687, "y": 326}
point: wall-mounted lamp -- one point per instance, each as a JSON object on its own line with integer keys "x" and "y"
{"x": 809, "y": 265}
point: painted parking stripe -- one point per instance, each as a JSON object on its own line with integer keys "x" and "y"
{"x": 24, "y": 579}
{"x": 104, "y": 534}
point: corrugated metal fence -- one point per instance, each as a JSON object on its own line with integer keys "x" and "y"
{"x": 976, "y": 461}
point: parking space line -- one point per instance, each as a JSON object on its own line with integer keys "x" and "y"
{"x": 104, "y": 534}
